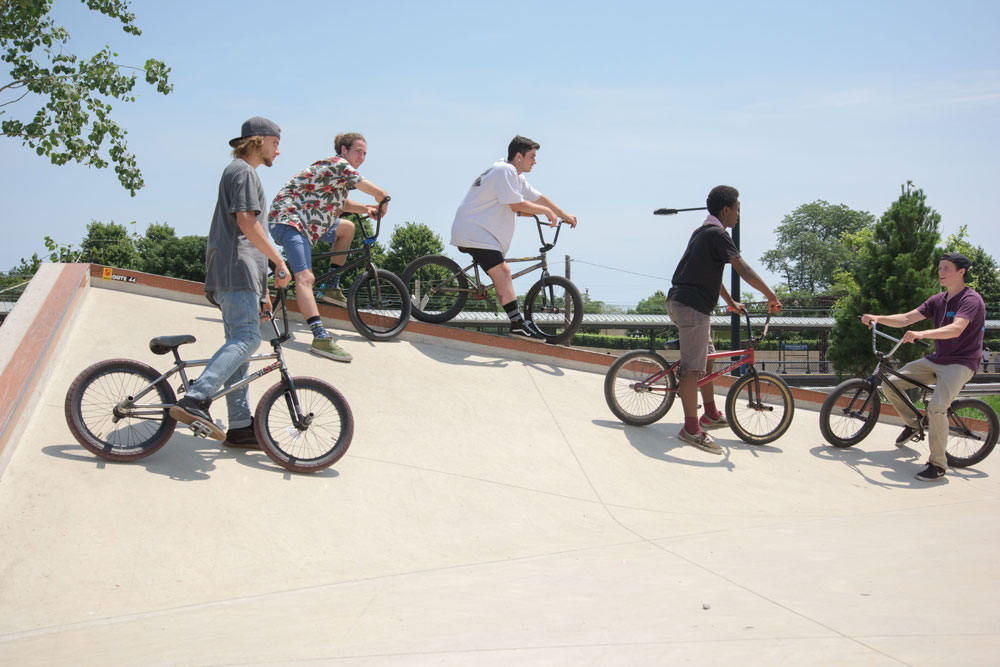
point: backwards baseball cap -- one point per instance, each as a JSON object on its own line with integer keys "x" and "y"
{"x": 958, "y": 259}
{"x": 258, "y": 126}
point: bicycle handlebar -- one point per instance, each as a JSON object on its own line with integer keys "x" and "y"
{"x": 897, "y": 341}
{"x": 545, "y": 245}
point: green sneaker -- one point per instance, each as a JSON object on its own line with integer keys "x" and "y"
{"x": 334, "y": 296}
{"x": 325, "y": 347}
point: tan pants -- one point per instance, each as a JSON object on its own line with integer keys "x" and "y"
{"x": 948, "y": 380}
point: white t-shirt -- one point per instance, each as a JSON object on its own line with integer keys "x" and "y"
{"x": 484, "y": 218}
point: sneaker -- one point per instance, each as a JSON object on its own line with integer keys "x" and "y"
{"x": 334, "y": 296}
{"x": 707, "y": 422}
{"x": 931, "y": 473}
{"x": 325, "y": 347}
{"x": 193, "y": 413}
{"x": 905, "y": 436}
{"x": 534, "y": 328}
{"x": 520, "y": 329}
{"x": 242, "y": 437}
{"x": 701, "y": 440}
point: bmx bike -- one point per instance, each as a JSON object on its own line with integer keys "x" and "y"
{"x": 640, "y": 387}
{"x": 439, "y": 289}
{"x": 851, "y": 410}
{"x": 119, "y": 409}
{"x": 377, "y": 302}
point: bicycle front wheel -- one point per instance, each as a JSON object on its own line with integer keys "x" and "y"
{"x": 849, "y": 413}
{"x": 378, "y": 305}
{"x": 556, "y": 307}
{"x": 640, "y": 388}
{"x": 316, "y": 442}
{"x": 972, "y": 432}
{"x": 759, "y": 408}
{"x": 437, "y": 287}
{"x": 114, "y": 409}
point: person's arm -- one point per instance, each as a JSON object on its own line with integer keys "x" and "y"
{"x": 247, "y": 221}
{"x": 734, "y": 306}
{"x": 375, "y": 191}
{"x": 755, "y": 281}
{"x": 548, "y": 203}
{"x": 953, "y": 330}
{"x": 898, "y": 321}
{"x": 530, "y": 208}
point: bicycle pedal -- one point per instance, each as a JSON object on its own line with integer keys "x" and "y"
{"x": 200, "y": 429}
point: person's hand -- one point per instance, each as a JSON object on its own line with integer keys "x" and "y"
{"x": 911, "y": 336}
{"x": 571, "y": 219}
{"x": 266, "y": 308}
{"x": 867, "y": 320}
{"x": 282, "y": 275}
{"x": 773, "y": 305}
{"x": 553, "y": 218}
{"x": 737, "y": 307}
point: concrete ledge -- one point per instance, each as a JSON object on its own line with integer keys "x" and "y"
{"x": 27, "y": 340}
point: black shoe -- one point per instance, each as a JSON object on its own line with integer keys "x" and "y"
{"x": 905, "y": 436}
{"x": 930, "y": 474}
{"x": 534, "y": 328}
{"x": 193, "y": 413}
{"x": 522, "y": 330}
{"x": 242, "y": 437}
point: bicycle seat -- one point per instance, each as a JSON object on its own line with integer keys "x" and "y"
{"x": 674, "y": 344}
{"x": 164, "y": 344}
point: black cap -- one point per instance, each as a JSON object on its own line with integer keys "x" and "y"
{"x": 959, "y": 260}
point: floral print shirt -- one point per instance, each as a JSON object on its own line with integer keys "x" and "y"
{"x": 314, "y": 198}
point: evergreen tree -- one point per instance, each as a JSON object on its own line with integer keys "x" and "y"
{"x": 895, "y": 273}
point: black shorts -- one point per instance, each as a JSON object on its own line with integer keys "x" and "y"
{"x": 485, "y": 257}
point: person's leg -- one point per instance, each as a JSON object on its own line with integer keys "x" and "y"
{"x": 504, "y": 284}
{"x": 950, "y": 380}
{"x": 919, "y": 372}
{"x": 694, "y": 330}
{"x": 340, "y": 237}
{"x": 712, "y": 417}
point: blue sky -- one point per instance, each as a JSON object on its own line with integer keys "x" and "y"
{"x": 637, "y": 105}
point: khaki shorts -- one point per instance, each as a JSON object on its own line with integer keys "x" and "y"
{"x": 695, "y": 334}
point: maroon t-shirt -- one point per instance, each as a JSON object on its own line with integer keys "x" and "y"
{"x": 967, "y": 348}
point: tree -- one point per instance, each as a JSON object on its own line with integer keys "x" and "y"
{"x": 408, "y": 242}
{"x": 810, "y": 247}
{"x": 163, "y": 253}
{"x": 76, "y": 120}
{"x": 110, "y": 244}
{"x": 656, "y": 304}
{"x": 895, "y": 274}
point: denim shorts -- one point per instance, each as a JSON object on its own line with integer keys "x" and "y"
{"x": 298, "y": 251}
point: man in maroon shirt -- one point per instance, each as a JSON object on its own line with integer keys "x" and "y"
{"x": 959, "y": 315}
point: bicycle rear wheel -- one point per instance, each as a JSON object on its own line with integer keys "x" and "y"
{"x": 107, "y": 415}
{"x": 972, "y": 432}
{"x": 638, "y": 387}
{"x": 437, "y": 288}
{"x": 849, "y": 413}
{"x": 378, "y": 305}
{"x": 556, "y": 308}
{"x": 759, "y": 408}
{"x": 308, "y": 447}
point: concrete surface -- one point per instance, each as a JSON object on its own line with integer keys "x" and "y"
{"x": 490, "y": 511}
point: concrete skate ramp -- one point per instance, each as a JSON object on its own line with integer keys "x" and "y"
{"x": 490, "y": 511}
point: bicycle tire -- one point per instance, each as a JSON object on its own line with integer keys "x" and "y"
{"x": 318, "y": 446}
{"x": 759, "y": 408}
{"x": 972, "y": 432}
{"x": 557, "y": 322}
{"x": 378, "y": 305}
{"x": 135, "y": 432}
{"x": 436, "y": 285}
{"x": 630, "y": 394}
{"x": 849, "y": 413}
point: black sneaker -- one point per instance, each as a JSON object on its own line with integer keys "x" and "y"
{"x": 521, "y": 329}
{"x": 905, "y": 436}
{"x": 930, "y": 474}
{"x": 242, "y": 437}
{"x": 534, "y": 328}
{"x": 193, "y": 413}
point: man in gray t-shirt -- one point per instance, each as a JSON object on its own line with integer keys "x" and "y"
{"x": 236, "y": 282}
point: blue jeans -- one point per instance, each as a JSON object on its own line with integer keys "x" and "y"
{"x": 241, "y": 320}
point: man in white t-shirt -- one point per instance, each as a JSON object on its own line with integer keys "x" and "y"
{"x": 484, "y": 222}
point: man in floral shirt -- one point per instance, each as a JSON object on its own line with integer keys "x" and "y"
{"x": 306, "y": 210}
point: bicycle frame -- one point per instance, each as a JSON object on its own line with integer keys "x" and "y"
{"x": 877, "y": 380}
{"x": 479, "y": 291}
{"x": 301, "y": 421}
{"x": 744, "y": 356}
{"x": 365, "y": 249}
